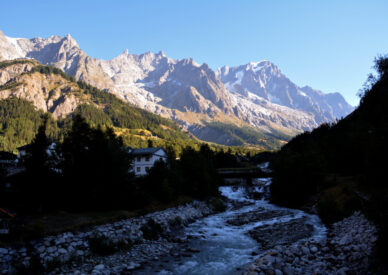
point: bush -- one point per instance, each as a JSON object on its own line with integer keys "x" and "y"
{"x": 35, "y": 231}
{"x": 175, "y": 222}
{"x": 35, "y": 267}
{"x": 151, "y": 230}
{"x": 337, "y": 203}
{"x": 101, "y": 245}
{"x": 124, "y": 245}
{"x": 218, "y": 205}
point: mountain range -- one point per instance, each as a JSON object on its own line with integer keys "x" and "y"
{"x": 255, "y": 95}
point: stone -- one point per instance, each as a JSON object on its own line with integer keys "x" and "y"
{"x": 343, "y": 271}
{"x": 288, "y": 270}
{"x": 3, "y": 251}
{"x": 51, "y": 249}
{"x": 313, "y": 249}
{"x": 268, "y": 260}
{"x": 99, "y": 267}
{"x": 305, "y": 250}
{"x": 41, "y": 249}
{"x": 60, "y": 240}
{"x": 62, "y": 251}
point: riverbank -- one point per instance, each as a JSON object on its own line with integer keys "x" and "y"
{"x": 348, "y": 249}
{"x": 133, "y": 242}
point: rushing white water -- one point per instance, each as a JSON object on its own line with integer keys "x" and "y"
{"x": 224, "y": 248}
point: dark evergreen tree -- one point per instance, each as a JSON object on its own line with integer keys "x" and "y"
{"x": 95, "y": 166}
{"x": 40, "y": 175}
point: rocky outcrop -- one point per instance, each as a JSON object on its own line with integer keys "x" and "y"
{"x": 48, "y": 92}
{"x": 12, "y": 71}
{"x": 348, "y": 249}
{"x": 76, "y": 246}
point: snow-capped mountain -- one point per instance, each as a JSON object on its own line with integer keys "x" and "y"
{"x": 256, "y": 94}
{"x": 265, "y": 80}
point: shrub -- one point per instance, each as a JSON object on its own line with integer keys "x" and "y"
{"x": 101, "y": 245}
{"x": 151, "y": 230}
{"x": 337, "y": 203}
{"x": 35, "y": 267}
{"x": 124, "y": 245}
{"x": 218, "y": 205}
{"x": 177, "y": 221}
{"x": 35, "y": 231}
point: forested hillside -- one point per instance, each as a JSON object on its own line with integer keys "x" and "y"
{"x": 52, "y": 89}
{"x": 342, "y": 167}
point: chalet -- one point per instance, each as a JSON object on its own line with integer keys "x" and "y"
{"x": 145, "y": 158}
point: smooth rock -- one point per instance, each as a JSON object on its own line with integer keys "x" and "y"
{"x": 62, "y": 251}
{"x": 99, "y": 267}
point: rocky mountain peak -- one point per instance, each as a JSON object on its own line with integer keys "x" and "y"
{"x": 71, "y": 41}
{"x": 189, "y": 61}
{"x": 256, "y": 93}
{"x": 161, "y": 53}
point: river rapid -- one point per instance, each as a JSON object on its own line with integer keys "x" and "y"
{"x": 227, "y": 242}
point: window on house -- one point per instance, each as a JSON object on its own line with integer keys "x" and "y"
{"x": 147, "y": 158}
{"x": 147, "y": 169}
{"x": 138, "y": 158}
{"x": 138, "y": 169}
{"x": 160, "y": 159}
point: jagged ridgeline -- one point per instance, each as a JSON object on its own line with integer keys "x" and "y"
{"x": 29, "y": 90}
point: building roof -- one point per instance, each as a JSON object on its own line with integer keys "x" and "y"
{"x": 145, "y": 151}
{"x": 24, "y": 147}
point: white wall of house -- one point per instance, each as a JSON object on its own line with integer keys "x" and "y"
{"x": 142, "y": 163}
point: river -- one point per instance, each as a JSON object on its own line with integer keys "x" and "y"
{"x": 222, "y": 243}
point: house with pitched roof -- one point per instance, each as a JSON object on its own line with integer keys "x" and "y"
{"x": 145, "y": 158}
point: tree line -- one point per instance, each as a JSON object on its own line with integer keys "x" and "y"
{"x": 341, "y": 167}
{"x": 90, "y": 171}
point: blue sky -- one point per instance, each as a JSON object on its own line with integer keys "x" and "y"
{"x": 329, "y": 45}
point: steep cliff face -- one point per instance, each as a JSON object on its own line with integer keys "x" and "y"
{"x": 61, "y": 52}
{"x": 48, "y": 92}
{"x": 8, "y": 72}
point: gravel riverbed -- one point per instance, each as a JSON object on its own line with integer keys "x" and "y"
{"x": 251, "y": 237}
{"x": 348, "y": 249}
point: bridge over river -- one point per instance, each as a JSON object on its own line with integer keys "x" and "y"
{"x": 244, "y": 174}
